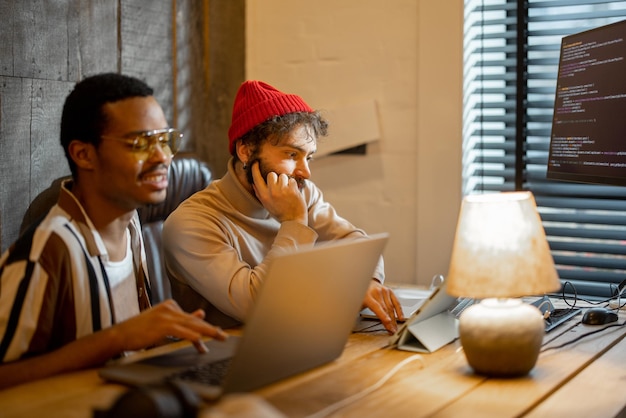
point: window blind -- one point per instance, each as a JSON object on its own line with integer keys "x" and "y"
{"x": 511, "y": 53}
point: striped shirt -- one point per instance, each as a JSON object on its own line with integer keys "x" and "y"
{"x": 54, "y": 288}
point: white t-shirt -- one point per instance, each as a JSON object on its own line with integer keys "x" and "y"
{"x": 123, "y": 286}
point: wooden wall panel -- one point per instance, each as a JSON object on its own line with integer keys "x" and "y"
{"x": 227, "y": 71}
{"x": 191, "y": 87}
{"x": 58, "y": 40}
{"x": 48, "y": 160}
{"x": 7, "y": 38}
{"x": 92, "y": 41}
{"x": 210, "y": 67}
{"x": 30, "y": 54}
{"x": 146, "y": 40}
{"x": 46, "y": 46}
{"x": 15, "y": 109}
{"x": 31, "y": 156}
{"x": 40, "y": 56}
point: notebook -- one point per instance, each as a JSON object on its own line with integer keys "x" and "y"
{"x": 302, "y": 319}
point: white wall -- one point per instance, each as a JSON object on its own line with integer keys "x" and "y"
{"x": 406, "y": 57}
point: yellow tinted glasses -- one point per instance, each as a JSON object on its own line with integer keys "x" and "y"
{"x": 142, "y": 143}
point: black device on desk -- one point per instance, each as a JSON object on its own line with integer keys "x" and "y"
{"x": 599, "y": 316}
{"x": 552, "y": 316}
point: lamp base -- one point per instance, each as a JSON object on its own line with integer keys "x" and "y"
{"x": 501, "y": 337}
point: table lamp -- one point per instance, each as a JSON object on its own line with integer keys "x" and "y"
{"x": 501, "y": 254}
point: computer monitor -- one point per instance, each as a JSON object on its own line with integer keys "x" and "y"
{"x": 588, "y": 141}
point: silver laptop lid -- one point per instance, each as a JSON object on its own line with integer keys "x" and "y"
{"x": 305, "y": 311}
{"x": 302, "y": 318}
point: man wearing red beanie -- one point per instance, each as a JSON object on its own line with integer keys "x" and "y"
{"x": 218, "y": 242}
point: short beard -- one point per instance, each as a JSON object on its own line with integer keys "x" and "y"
{"x": 265, "y": 171}
{"x": 248, "y": 169}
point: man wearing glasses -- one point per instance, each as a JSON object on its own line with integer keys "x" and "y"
{"x": 74, "y": 286}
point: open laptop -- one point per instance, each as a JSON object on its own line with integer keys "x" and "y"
{"x": 302, "y": 319}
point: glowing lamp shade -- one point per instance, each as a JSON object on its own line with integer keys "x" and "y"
{"x": 500, "y": 252}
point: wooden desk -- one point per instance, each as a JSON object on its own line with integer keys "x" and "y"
{"x": 583, "y": 379}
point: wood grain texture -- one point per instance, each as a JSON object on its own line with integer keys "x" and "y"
{"x": 44, "y": 57}
{"x": 48, "y": 161}
{"x": 210, "y": 63}
{"x": 58, "y": 40}
{"x": 516, "y": 397}
{"x": 48, "y": 46}
{"x": 225, "y": 46}
{"x": 92, "y": 28}
{"x": 15, "y": 161}
{"x": 7, "y": 37}
{"x": 603, "y": 381}
{"x": 579, "y": 380}
{"x": 146, "y": 40}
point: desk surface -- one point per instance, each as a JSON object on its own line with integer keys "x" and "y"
{"x": 582, "y": 379}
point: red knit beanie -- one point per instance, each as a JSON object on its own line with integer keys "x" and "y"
{"x": 257, "y": 102}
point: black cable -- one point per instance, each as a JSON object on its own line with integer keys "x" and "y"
{"x": 621, "y": 289}
{"x": 580, "y": 337}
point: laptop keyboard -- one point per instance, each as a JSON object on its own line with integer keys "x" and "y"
{"x": 559, "y": 316}
{"x": 208, "y": 373}
{"x": 461, "y": 305}
{"x": 552, "y": 316}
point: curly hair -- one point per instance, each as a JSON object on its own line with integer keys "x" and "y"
{"x": 278, "y": 127}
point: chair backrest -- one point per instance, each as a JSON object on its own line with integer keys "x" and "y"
{"x": 187, "y": 175}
